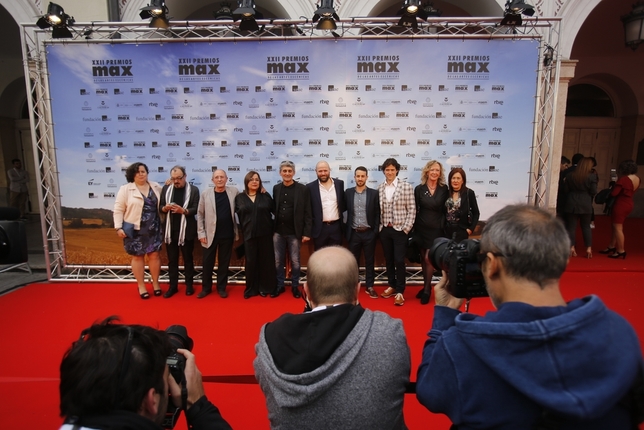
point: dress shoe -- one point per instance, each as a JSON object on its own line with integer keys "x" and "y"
{"x": 203, "y": 294}
{"x": 222, "y": 293}
{"x": 296, "y": 292}
{"x": 424, "y": 298}
{"x": 249, "y": 295}
{"x": 171, "y": 292}
{"x": 263, "y": 294}
{"x": 158, "y": 292}
{"x": 608, "y": 250}
{"x": 399, "y": 300}
{"x": 372, "y": 293}
{"x": 616, "y": 255}
{"x": 277, "y": 292}
{"x": 389, "y": 292}
{"x": 189, "y": 291}
{"x": 145, "y": 295}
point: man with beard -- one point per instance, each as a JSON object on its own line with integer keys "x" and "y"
{"x": 180, "y": 200}
{"x": 116, "y": 377}
{"x": 363, "y": 221}
{"x": 327, "y": 207}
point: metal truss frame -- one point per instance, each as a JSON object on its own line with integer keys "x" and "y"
{"x": 34, "y": 41}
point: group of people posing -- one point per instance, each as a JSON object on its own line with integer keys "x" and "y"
{"x": 146, "y": 215}
{"x": 577, "y": 188}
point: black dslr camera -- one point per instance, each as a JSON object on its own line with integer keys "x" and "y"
{"x": 176, "y": 362}
{"x": 460, "y": 261}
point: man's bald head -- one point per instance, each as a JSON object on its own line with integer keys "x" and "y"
{"x": 332, "y": 276}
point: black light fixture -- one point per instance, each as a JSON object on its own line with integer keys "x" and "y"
{"x": 325, "y": 16}
{"x": 224, "y": 12}
{"x": 158, "y": 11}
{"x": 634, "y": 26}
{"x": 513, "y": 11}
{"x": 248, "y": 15}
{"x": 411, "y": 10}
{"x": 58, "y": 19}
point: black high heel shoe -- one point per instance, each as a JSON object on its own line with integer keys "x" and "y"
{"x": 616, "y": 255}
{"x": 608, "y": 250}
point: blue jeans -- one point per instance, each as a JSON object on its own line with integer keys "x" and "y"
{"x": 280, "y": 244}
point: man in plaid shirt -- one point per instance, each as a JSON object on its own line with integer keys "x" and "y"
{"x": 397, "y": 215}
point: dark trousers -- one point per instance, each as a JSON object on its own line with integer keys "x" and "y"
{"x": 364, "y": 242}
{"x": 330, "y": 235}
{"x": 260, "y": 265}
{"x": 172, "y": 249}
{"x": 394, "y": 245}
{"x": 225, "y": 247}
{"x": 586, "y": 232}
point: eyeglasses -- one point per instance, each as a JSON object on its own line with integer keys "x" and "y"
{"x": 179, "y": 178}
{"x": 481, "y": 257}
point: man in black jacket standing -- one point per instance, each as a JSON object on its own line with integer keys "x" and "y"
{"x": 180, "y": 200}
{"x": 363, "y": 221}
{"x": 292, "y": 226}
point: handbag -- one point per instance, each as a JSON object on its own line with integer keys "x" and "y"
{"x": 413, "y": 248}
{"x": 128, "y": 229}
{"x": 605, "y": 198}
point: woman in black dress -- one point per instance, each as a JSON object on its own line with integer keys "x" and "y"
{"x": 462, "y": 213}
{"x": 138, "y": 223}
{"x": 254, "y": 209}
{"x": 430, "y": 198}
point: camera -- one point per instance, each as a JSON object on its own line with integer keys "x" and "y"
{"x": 460, "y": 261}
{"x": 176, "y": 362}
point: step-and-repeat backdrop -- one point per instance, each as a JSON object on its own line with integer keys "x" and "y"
{"x": 249, "y": 105}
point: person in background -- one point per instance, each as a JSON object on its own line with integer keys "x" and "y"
{"x": 537, "y": 361}
{"x": 561, "y": 189}
{"x": 18, "y": 187}
{"x": 430, "y": 195}
{"x": 254, "y": 209}
{"x": 623, "y": 190}
{"x": 363, "y": 221}
{"x": 137, "y": 209}
{"x": 327, "y": 207}
{"x": 397, "y": 215}
{"x": 462, "y": 210}
{"x": 580, "y": 185}
{"x": 217, "y": 230}
{"x": 292, "y": 226}
{"x": 180, "y": 200}
{"x": 338, "y": 366}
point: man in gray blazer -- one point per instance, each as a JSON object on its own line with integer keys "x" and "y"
{"x": 217, "y": 231}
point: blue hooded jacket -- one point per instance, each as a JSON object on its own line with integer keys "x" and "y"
{"x": 503, "y": 370}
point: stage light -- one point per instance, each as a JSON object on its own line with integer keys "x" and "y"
{"x": 513, "y": 11}
{"x": 634, "y": 26}
{"x": 325, "y": 16}
{"x": 158, "y": 11}
{"x": 248, "y": 15}
{"x": 224, "y": 12}
{"x": 58, "y": 19}
{"x": 411, "y": 10}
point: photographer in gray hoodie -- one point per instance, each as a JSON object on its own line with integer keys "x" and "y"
{"x": 338, "y": 365}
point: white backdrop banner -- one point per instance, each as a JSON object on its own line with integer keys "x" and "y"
{"x": 249, "y": 105}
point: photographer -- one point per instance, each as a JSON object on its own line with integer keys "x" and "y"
{"x": 536, "y": 362}
{"x": 116, "y": 377}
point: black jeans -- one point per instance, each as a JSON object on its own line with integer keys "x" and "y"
{"x": 172, "y": 250}
{"x": 364, "y": 242}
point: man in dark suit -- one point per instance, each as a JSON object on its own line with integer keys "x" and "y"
{"x": 180, "y": 200}
{"x": 363, "y": 220}
{"x": 327, "y": 207}
{"x": 292, "y": 226}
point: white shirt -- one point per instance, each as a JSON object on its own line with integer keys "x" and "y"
{"x": 329, "y": 202}
{"x": 390, "y": 189}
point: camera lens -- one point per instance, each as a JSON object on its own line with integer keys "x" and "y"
{"x": 439, "y": 253}
{"x": 179, "y": 338}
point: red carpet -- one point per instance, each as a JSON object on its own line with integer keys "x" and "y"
{"x": 40, "y": 321}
